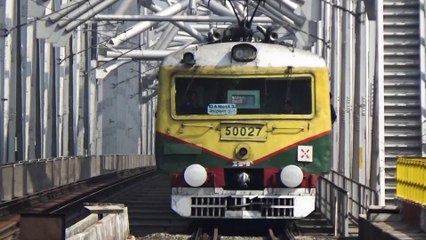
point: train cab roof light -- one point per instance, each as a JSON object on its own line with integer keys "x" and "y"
{"x": 244, "y": 52}
{"x": 188, "y": 59}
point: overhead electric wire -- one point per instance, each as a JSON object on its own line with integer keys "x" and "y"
{"x": 139, "y": 73}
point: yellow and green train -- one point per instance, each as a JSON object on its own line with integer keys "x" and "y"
{"x": 244, "y": 129}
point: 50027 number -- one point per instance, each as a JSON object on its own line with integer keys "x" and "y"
{"x": 243, "y": 131}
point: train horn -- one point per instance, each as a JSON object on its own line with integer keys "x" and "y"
{"x": 214, "y": 35}
{"x": 269, "y": 35}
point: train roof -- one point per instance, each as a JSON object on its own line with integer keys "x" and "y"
{"x": 268, "y": 55}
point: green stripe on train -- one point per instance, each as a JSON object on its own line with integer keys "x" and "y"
{"x": 172, "y": 156}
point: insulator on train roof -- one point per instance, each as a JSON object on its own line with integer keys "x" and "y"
{"x": 261, "y": 29}
{"x": 236, "y": 33}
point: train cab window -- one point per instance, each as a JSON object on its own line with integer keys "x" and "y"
{"x": 243, "y": 96}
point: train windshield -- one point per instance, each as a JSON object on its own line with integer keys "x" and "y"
{"x": 236, "y": 96}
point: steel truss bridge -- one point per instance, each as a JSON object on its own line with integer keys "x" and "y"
{"x": 79, "y": 77}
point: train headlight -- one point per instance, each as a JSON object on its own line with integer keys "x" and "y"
{"x": 244, "y": 52}
{"x": 195, "y": 175}
{"x": 291, "y": 176}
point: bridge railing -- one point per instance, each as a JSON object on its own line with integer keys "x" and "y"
{"x": 27, "y": 177}
{"x": 332, "y": 202}
{"x": 341, "y": 200}
{"x": 360, "y": 195}
{"x": 411, "y": 190}
{"x": 411, "y": 180}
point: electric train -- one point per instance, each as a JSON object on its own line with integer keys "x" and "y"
{"x": 243, "y": 127}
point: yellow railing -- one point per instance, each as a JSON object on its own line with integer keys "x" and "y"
{"x": 411, "y": 179}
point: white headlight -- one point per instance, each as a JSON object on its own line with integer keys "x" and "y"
{"x": 195, "y": 175}
{"x": 291, "y": 176}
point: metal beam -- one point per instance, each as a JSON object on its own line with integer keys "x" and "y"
{"x": 378, "y": 148}
{"x": 103, "y": 71}
{"x": 217, "y": 8}
{"x": 138, "y": 54}
{"x": 142, "y": 26}
{"x": 185, "y": 27}
{"x": 166, "y": 37}
{"x": 64, "y": 12}
{"x": 89, "y": 14}
{"x": 296, "y": 19}
{"x": 3, "y": 49}
{"x": 135, "y": 18}
{"x": 57, "y": 27}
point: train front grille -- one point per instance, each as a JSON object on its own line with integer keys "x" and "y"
{"x": 218, "y": 206}
{"x": 208, "y": 206}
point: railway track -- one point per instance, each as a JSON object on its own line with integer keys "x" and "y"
{"x": 146, "y": 193}
{"x": 149, "y": 207}
{"x": 251, "y": 230}
{"x": 272, "y": 230}
{"x": 149, "y": 211}
{"x": 68, "y": 199}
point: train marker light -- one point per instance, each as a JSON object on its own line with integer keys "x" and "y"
{"x": 244, "y": 52}
{"x": 195, "y": 175}
{"x": 188, "y": 58}
{"x": 291, "y": 176}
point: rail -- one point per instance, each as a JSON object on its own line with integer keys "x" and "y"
{"x": 341, "y": 200}
{"x": 28, "y": 177}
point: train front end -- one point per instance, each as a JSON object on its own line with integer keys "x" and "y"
{"x": 244, "y": 130}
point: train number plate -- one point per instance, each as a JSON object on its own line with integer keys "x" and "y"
{"x": 247, "y": 132}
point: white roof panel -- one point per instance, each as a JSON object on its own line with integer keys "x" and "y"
{"x": 268, "y": 55}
